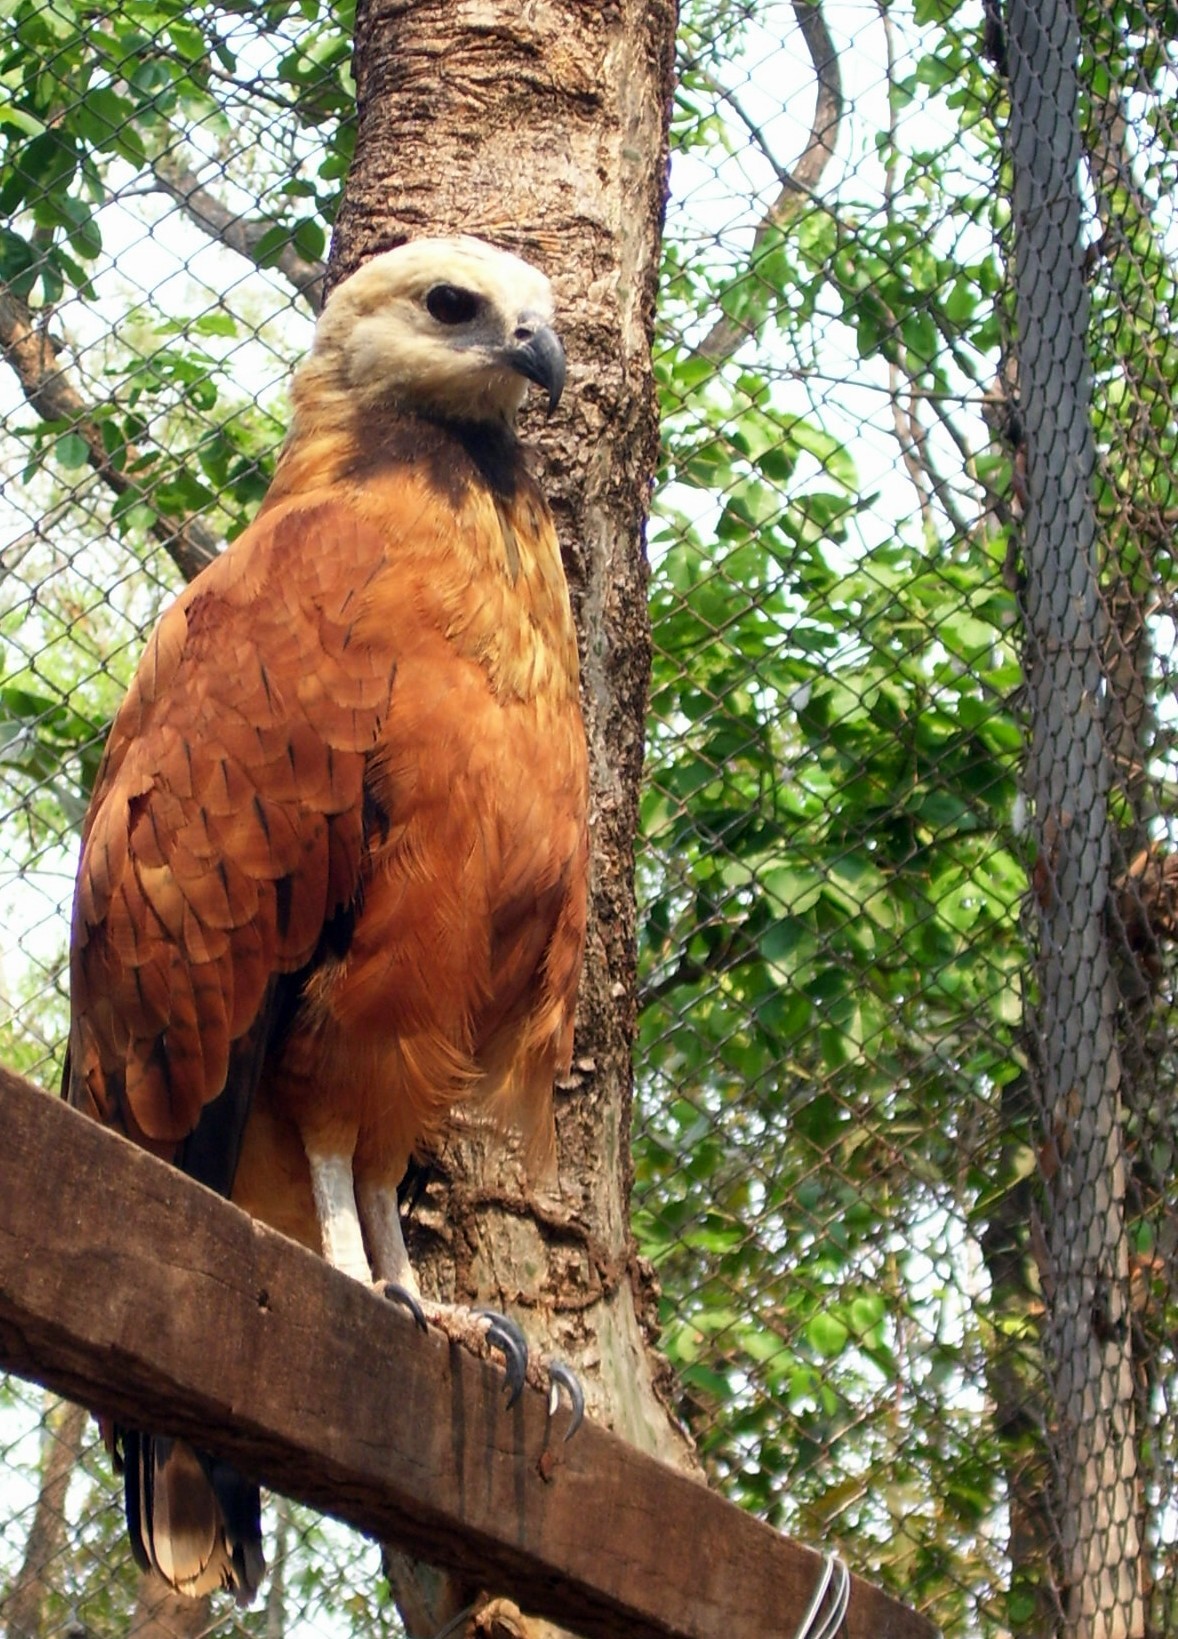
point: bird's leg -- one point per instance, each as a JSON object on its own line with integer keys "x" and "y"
{"x": 334, "y": 1190}
{"x": 381, "y": 1218}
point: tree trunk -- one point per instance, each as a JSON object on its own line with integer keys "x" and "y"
{"x": 1015, "y": 1381}
{"x": 1136, "y": 535}
{"x": 161, "y": 1613}
{"x": 1078, "y": 1072}
{"x": 543, "y": 128}
{"x": 26, "y": 1611}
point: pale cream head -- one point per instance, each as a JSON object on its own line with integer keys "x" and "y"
{"x": 451, "y": 328}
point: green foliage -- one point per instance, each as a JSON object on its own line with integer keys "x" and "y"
{"x": 830, "y": 950}
{"x": 835, "y": 1143}
{"x": 82, "y": 89}
{"x": 41, "y": 737}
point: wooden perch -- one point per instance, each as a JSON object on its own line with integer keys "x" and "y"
{"x": 128, "y": 1287}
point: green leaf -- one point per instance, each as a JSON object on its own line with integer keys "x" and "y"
{"x": 214, "y": 324}
{"x": 81, "y": 226}
{"x": 270, "y": 246}
{"x": 149, "y": 78}
{"x": 309, "y": 239}
{"x": 48, "y": 164}
{"x": 18, "y": 262}
{"x": 827, "y": 1336}
{"x": 72, "y": 450}
{"x": 19, "y": 119}
{"x": 105, "y": 119}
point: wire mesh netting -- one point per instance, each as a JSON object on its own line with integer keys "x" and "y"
{"x": 904, "y": 1147}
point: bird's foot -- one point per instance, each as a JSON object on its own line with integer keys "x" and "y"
{"x": 564, "y": 1377}
{"x": 407, "y": 1298}
{"x": 474, "y": 1329}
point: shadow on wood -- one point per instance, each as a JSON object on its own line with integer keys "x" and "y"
{"x": 136, "y": 1291}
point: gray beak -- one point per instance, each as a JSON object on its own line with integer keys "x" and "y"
{"x": 538, "y": 355}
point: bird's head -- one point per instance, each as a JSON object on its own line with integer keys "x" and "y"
{"x": 449, "y": 328}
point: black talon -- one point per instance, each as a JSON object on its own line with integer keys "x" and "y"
{"x": 507, "y": 1337}
{"x": 407, "y": 1300}
{"x": 563, "y": 1377}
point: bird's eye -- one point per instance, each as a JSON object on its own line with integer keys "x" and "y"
{"x": 450, "y": 305}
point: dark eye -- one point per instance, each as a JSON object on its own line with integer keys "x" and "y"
{"x": 449, "y": 305}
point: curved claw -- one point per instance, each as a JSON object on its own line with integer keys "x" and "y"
{"x": 407, "y": 1300}
{"x": 563, "y": 1377}
{"x": 507, "y": 1337}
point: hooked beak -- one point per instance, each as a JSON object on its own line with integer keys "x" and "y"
{"x": 539, "y": 356}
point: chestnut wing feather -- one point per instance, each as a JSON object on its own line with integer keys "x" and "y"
{"x": 225, "y": 830}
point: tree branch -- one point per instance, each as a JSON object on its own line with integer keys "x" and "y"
{"x": 798, "y": 183}
{"x": 911, "y": 433}
{"x": 237, "y": 233}
{"x": 34, "y": 358}
{"x": 729, "y": 953}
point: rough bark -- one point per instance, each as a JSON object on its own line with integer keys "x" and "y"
{"x": 1012, "y": 1238}
{"x": 543, "y": 129}
{"x": 1135, "y": 531}
{"x": 1078, "y": 1074}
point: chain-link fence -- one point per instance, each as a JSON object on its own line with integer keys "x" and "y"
{"x": 903, "y": 1147}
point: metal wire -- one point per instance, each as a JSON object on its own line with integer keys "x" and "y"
{"x": 834, "y": 1580}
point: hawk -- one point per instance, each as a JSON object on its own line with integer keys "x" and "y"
{"x": 333, "y": 873}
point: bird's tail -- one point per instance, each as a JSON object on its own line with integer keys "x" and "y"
{"x": 191, "y": 1517}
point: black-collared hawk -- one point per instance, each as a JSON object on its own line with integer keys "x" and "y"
{"x": 333, "y": 873}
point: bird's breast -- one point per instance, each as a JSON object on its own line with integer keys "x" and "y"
{"x": 458, "y": 979}
{"x": 476, "y": 807}
{"x": 484, "y": 573}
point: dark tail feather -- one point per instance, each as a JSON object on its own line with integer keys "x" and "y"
{"x": 192, "y": 1517}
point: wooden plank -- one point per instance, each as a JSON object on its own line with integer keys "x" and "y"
{"x": 125, "y": 1285}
